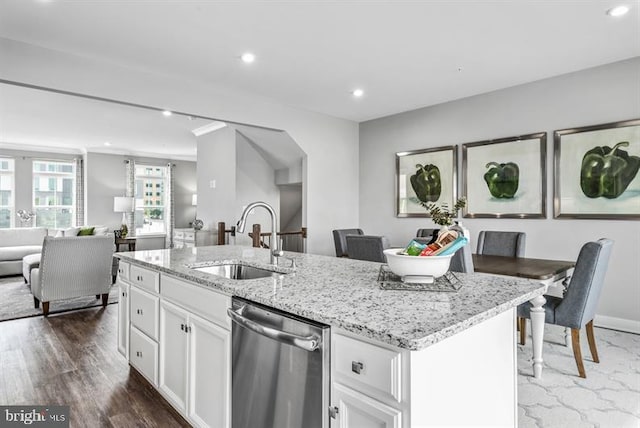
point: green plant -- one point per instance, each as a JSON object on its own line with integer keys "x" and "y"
{"x": 440, "y": 214}
{"x": 124, "y": 230}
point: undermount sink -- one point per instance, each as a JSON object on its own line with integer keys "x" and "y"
{"x": 237, "y": 271}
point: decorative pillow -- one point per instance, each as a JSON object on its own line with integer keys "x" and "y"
{"x": 99, "y": 230}
{"x": 59, "y": 234}
{"x": 86, "y": 231}
{"x": 72, "y": 231}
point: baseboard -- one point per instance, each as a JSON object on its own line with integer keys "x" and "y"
{"x": 622, "y": 324}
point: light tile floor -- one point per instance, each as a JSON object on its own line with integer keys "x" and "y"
{"x": 608, "y": 398}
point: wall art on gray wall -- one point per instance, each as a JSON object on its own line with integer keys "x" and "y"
{"x": 596, "y": 171}
{"x": 423, "y": 177}
{"x": 506, "y": 177}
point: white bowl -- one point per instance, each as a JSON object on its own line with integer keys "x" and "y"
{"x": 417, "y": 266}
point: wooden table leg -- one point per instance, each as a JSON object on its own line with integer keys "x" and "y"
{"x": 537, "y": 333}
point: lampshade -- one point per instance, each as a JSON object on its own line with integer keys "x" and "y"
{"x": 122, "y": 204}
{"x": 194, "y": 199}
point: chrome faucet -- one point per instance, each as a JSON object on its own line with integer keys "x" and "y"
{"x": 275, "y": 251}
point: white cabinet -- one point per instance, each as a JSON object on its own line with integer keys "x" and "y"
{"x": 123, "y": 318}
{"x": 143, "y": 355}
{"x": 359, "y": 411}
{"x": 184, "y": 238}
{"x": 366, "y": 384}
{"x": 195, "y": 366}
{"x": 143, "y": 311}
{"x": 209, "y": 397}
{"x": 173, "y": 354}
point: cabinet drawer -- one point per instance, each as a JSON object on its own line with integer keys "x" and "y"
{"x": 208, "y": 303}
{"x": 143, "y": 355}
{"x": 189, "y": 236}
{"x": 145, "y": 278}
{"x": 178, "y": 234}
{"x": 367, "y": 368}
{"x": 144, "y": 312}
{"x": 123, "y": 270}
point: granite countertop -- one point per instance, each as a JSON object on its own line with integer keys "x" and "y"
{"x": 345, "y": 293}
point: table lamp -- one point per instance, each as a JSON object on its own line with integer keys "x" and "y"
{"x": 124, "y": 205}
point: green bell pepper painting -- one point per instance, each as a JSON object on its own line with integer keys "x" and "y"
{"x": 502, "y": 179}
{"x": 427, "y": 183}
{"x": 607, "y": 172}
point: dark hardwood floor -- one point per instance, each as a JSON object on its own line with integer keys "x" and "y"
{"x": 72, "y": 359}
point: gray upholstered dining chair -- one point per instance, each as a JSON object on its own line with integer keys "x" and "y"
{"x": 367, "y": 247}
{"x": 496, "y": 243}
{"x": 427, "y": 233}
{"x": 578, "y": 306}
{"x": 340, "y": 240}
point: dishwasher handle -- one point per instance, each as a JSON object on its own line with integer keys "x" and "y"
{"x": 308, "y": 343}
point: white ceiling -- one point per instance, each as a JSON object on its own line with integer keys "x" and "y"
{"x": 47, "y": 120}
{"x": 311, "y": 54}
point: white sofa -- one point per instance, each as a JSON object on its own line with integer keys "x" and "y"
{"x": 73, "y": 267}
{"x": 15, "y": 243}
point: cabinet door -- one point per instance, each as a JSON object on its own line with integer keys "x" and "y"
{"x": 173, "y": 354}
{"x": 359, "y": 411}
{"x": 123, "y": 318}
{"x": 209, "y": 374}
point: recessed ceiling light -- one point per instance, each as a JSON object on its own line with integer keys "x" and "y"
{"x": 166, "y": 113}
{"x": 106, "y": 143}
{"x": 618, "y": 11}
{"x": 357, "y": 92}
{"x": 248, "y": 57}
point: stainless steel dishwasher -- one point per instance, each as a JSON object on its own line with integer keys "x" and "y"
{"x": 280, "y": 369}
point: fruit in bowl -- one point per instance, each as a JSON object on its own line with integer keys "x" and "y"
{"x": 417, "y": 268}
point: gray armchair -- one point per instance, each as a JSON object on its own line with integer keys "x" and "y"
{"x": 340, "y": 240}
{"x": 578, "y": 307}
{"x": 367, "y": 247}
{"x": 507, "y": 244}
{"x": 72, "y": 267}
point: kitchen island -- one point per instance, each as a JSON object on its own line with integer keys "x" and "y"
{"x": 431, "y": 358}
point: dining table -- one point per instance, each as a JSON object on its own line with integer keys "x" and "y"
{"x": 548, "y": 272}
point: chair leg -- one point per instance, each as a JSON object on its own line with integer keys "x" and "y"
{"x": 36, "y": 302}
{"x": 105, "y": 299}
{"x": 45, "y": 308}
{"x": 97, "y": 296}
{"x": 577, "y": 353}
{"x": 523, "y": 331}
{"x": 592, "y": 342}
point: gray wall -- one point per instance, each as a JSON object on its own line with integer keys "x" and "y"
{"x": 242, "y": 176}
{"x": 599, "y": 95}
{"x": 217, "y": 161}
{"x": 106, "y": 178}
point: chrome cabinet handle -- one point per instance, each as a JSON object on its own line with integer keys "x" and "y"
{"x": 139, "y": 311}
{"x": 139, "y": 354}
{"x": 356, "y": 367}
{"x": 182, "y": 327}
{"x": 308, "y": 343}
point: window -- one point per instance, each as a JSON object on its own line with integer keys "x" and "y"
{"x": 7, "y": 193}
{"x": 150, "y": 205}
{"x": 54, "y": 193}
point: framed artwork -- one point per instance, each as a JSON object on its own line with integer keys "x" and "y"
{"x": 506, "y": 177}
{"x": 425, "y": 176}
{"x": 596, "y": 171}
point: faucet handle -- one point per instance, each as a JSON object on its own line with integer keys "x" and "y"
{"x": 280, "y": 254}
{"x": 277, "y": 253}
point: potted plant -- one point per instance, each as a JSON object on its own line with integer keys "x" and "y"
{"x": 441, "y": 215}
